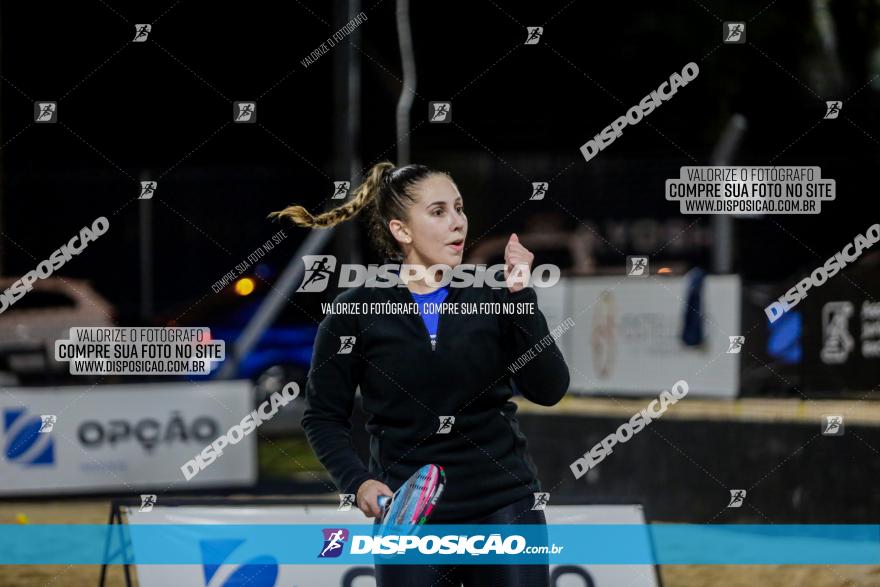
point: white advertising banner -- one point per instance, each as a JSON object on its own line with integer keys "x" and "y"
{"x": 122, "y": 437}
{"x": 271, "y": 574}
{"x": 627, "y": 335}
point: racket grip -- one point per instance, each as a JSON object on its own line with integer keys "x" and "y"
{"x": 382, "y": 500}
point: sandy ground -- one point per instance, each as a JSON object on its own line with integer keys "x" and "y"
{"x": 97, "y": 511}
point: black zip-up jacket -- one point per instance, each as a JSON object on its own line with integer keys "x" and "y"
{"x": 407, "y": 387}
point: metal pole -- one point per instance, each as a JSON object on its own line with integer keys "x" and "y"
{"x": 347, "y": 89}
{"x": 722, "y": 224}
{"x": 145, "y": 215}
{"x": 2, "y": 168}
{"x": 346, "y": 122}
{"x": 407, "y": 92}
{"x": 282, "y": 289}
{"x": 354, "y": 97}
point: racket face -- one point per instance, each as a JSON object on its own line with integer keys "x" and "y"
{"x": 414, "y": 501}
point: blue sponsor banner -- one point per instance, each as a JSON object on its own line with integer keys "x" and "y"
{"x": 611, "y": 544}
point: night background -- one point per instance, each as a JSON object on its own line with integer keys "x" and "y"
{"x": 161, "y": 110}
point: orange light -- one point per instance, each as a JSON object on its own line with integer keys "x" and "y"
{"x": 244, "y": 286}
{"x": 664, "y": 270}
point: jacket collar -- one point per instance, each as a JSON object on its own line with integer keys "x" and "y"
{"x": 401, "y": 293}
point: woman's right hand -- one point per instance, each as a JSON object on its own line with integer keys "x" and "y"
{"x": 368, "y": 494}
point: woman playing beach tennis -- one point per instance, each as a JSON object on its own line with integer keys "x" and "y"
{"x": 436, "y": 388}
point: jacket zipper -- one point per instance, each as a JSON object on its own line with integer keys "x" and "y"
{"x": 439, "y": 323}
{"x": 425, "y": 329}
{"x": 433, "y": 340}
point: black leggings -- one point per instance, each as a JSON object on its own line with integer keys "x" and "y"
{"x": 534, "y": 575}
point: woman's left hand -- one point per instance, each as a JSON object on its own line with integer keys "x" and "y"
{"x": 517, "y": 262}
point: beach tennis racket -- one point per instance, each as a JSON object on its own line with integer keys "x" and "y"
{"x": 413, "y": 502}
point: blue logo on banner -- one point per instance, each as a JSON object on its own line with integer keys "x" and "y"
{"x": 260, "y": 571}
{"x": 24, "y": 443}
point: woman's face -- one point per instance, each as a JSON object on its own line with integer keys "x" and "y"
{"x": 437, "y": 226}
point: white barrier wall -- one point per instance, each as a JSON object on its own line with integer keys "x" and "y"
{"x": 627, "y": 334}
{"x": 273, "y": 574}
{"x": 122, "y": 437}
